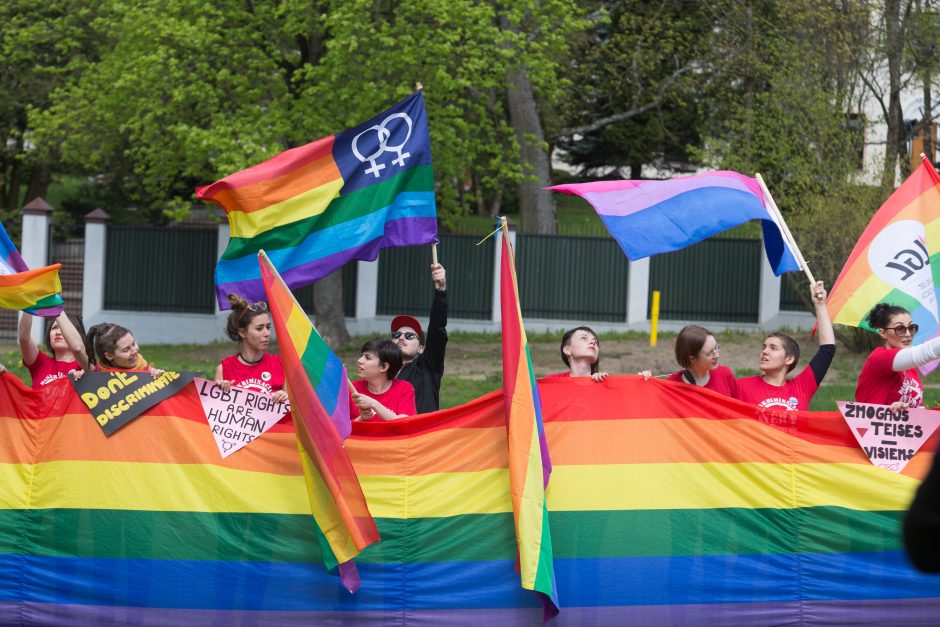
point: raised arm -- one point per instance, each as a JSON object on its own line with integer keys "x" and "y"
{"x": 24, "y": 335}
{"x": 74, "y": 340}
{"x": 824, "y": 332}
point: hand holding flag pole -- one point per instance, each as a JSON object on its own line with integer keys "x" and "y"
{"x": 785, "y": 230}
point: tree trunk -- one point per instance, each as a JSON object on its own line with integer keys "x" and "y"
{"x": 328, "y": 309}
{"x": 894, "y": 142}
{"x": 38, "y": 181}
{"x": 536, "y": 206}
{"x": 928, "y": 118}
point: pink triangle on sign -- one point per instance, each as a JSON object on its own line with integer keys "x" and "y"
{"x": 862, "y": 431}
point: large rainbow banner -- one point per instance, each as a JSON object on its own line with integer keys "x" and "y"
{"x": 896, "y": 259}
{"x": 318, "y": 206}
{"x": 669, "y": 505}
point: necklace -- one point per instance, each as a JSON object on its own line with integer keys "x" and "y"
{"x": 251, "y": 363}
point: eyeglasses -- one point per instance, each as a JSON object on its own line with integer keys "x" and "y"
{"x": 713, "y": 352}
{"x": 408, "y": 335}
{"x": 902, "y": 330}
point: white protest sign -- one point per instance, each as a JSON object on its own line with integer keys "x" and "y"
{"x": 889, "y": 438}
{"x": 238, "y": 416}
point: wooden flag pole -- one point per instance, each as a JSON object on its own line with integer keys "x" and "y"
{"x": 785, "y": 230}
{"x": 434, "y": 254}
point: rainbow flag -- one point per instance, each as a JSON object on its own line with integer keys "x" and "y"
{"x": 652, "y": 217}
{"x": 529, "y": 464}
{"x": 319, "y": 398}
{"x": 669, "y": 505}
{"x": 318, "y": 206}
{"x": 896, "y": 259}
{"x": 35, "y": 291}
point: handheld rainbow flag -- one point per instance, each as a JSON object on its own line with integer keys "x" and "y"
{"x": 652, "y": 217}
{"x": 317, "y": 387}
{"x": 896, "y": 259}
{"x": 340, "y": 198}
{"x": 34, "y": 291}
{"x": 529, "y": 464}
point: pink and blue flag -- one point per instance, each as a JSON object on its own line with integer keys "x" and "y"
{"x": 652, "y": 217}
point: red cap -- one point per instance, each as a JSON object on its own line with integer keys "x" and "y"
{"x": 408, "y": 321}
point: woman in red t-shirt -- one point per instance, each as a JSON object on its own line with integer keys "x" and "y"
{"x": 378, "y": 392}
{"x": 581, "y": 352}
{"x": 251, "y": 367}
{"x": 697, "y": 352}
{"x": 889, "y": 375}
{"x": 112, "y": 348}
{"x": 43, "y": 368}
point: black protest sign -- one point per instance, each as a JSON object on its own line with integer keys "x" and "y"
{"x": 116, "y": 398}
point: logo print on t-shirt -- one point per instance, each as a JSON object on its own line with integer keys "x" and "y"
{"x": 911, "y": 392}
{"x": 266, "y": 376}
{"x": 777, "y": 401}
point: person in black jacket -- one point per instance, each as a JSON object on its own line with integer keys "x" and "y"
{"x": 922, "y": 523}
{"x": 424, "y": 354}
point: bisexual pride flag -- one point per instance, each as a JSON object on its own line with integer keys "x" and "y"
{"x": 36, "y": 291}
{"x": 652, "y": 217}
{"x": 318, "y": 206}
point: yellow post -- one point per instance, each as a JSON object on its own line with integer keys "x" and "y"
{"x": 654, "y": 318}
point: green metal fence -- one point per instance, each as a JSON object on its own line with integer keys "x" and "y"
{"x": 576, "y": 278}
{"x": 405, "y": 278}
{"x": 717, "y": 279}
{"x": 793, "y": 285}
{"x": 305, "y": 294}
{"x": 155, "y": 269}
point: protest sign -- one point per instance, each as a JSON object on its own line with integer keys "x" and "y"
{"x": 116, "y": 398}
{"x": 238, "y": 416}
{"x": 889, "y": 438}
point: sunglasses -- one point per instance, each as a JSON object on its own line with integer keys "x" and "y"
{"x": 408, "y": 335}
{"x": 902, "y": 331}
{"x": 259, "y": 306}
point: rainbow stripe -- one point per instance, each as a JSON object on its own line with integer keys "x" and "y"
{"x": 652, "y": 217}
{"x": 901, "y": 236}
{"x": 318, "y": 206}
{"x": 668, "y": 505}
{"x": 317, "y": 386}
{"x": 529, "y": 463}
{"x": 35, "y": 291}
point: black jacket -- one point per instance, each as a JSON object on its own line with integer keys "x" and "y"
{"x": 426, "y": 371}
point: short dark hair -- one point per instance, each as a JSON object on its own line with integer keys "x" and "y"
{"x": 388, "y": 353}
{"x": 76, "y": 322}
{"x": 566, "y": 340}
{"x": 880, "y": 315}
{"x": 242, "y": 314}
{"x": 689, "y": 344}
{"x": 790, "y": 348}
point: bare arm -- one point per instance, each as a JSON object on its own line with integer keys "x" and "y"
{"x": 24, "y": 334}
{"x": 74, "y": 340}
{"x": 825, "y": 334}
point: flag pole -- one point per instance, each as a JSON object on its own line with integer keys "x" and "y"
{"x": 784, "y": 229}
{"x": 434, "y": 254}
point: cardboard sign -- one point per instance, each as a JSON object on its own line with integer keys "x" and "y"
{"x": 889, "y": 438}
{"x": 116, "y": 398}
{"x": 238, "y": 416}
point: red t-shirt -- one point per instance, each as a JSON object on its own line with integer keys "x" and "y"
{"x": 879, "y": 383}
{"x": 557, "y": 375}
{"x": 794, "y": 394}
{"x": 400, "y": 398}
{"x": 721, "y": 380}
{"x": 45, "y": 369}
{"x": 265, "y": 376}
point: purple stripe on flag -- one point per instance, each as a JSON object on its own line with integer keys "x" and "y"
{"x": 623, "y": 198}
{"x": 888, "y": 612}
{"x": 404, "y": 232}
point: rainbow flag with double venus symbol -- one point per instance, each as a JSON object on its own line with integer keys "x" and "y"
{"x": 896, "y": 259}
{"x": 529, "y": 464}
{"x": 319, "y": 399}
{"x": 35, "y": 291}
{"x": 316, "y": 207}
